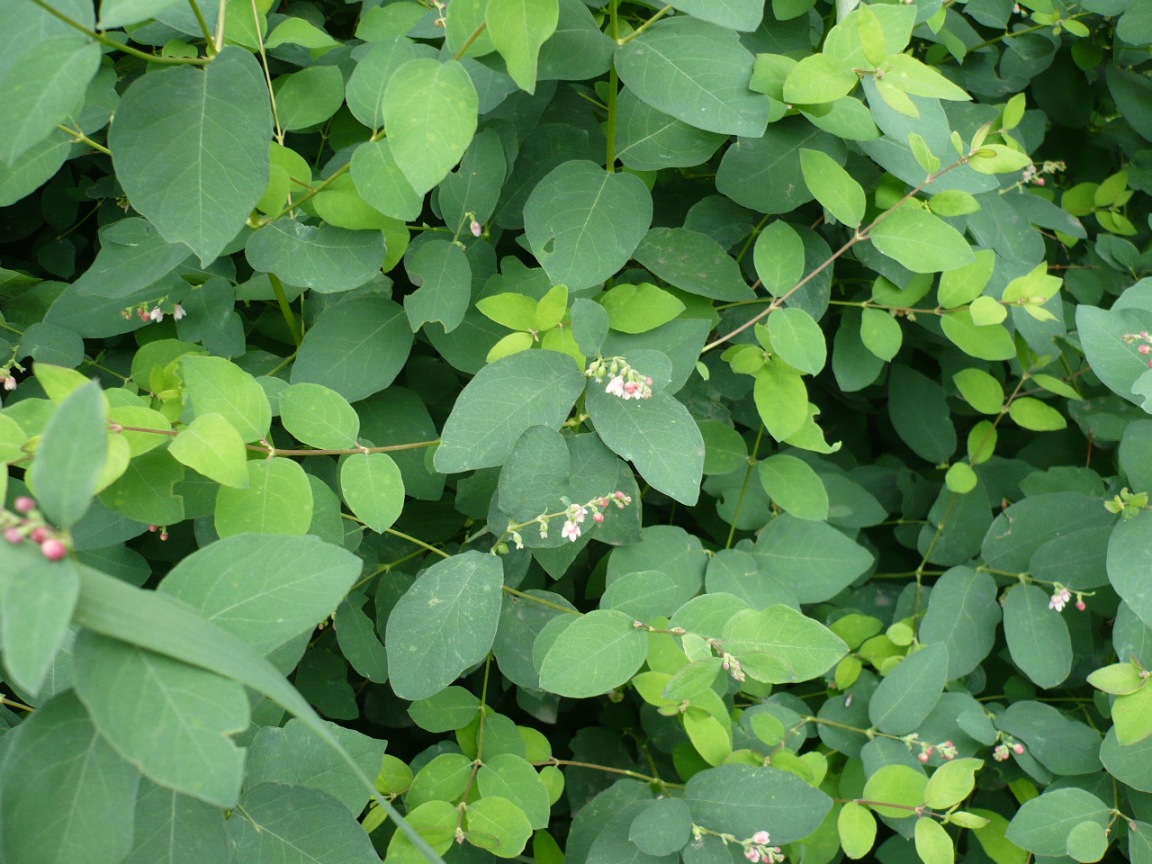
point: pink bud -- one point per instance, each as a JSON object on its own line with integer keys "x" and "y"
{"x": 1081, "y": 605}
{"x": 597, "y": 517}
{"x": 163, "y": 535}
{"x": 1018, "y": 749}
{"x": 152, "y": 528}
{"x": 1145, "y": 349}
{"x": 53, "y": 550}
{"x": 24, "y": 504}
{"x": 761, "y": 838}
{"x": 648, "y": 381}
{"x": 39, "y": 535}
{"x": 752, "y": 855}
{"x": 1039, "y": 181}
{"x": 14, "y": 535}
{"x": 476, "y": 228}
{"x": 923, "y": 757}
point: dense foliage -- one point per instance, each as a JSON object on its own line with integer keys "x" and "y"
{"x": 714, "y": 431}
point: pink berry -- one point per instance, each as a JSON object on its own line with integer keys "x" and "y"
{"x": 24, "y": 504}
{"x": 39, "y": 535}
{"x": 1081, "y": 605}
{"x": 14, "y": 535}
{"x": 598, "y": 517}
{"x": 923, "y": 757}
{"x": 152, "y": 528}
{"x": 1145, "y": 349}
{"x": 53, "y": 549}
{"x": 1018, "y": 749}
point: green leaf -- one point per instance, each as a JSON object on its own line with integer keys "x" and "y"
{"x": 663, "y": 828}
{"x": 648, "y": 139}
{"x": 146, "y": 491}
{"x": 66, "y": 794}
{"x": 308, "y": 97}
{"x": 998, "y": 159}
{"x": 1132, "y": 717}
{"x": 532, "y": 388}
{"x": 798, "y": 340}
{"x": 318, "y": 416}
{"x": 744, "y": 15}
{"x": 814, "y": 560}
{"x": 356, "y": 636}
{"x": 857, "y": 829}
{"x": 34, "y": 617}
{"x": 190, "y": 148}
{"x": 373, "y": 487}
{"x": 356, "y": 348}
{"x": 743, "y": 799}
{"x": 818, "y": 78}
{"x": 442, "y": 271}
{"x": 920, "y": 241}
{"x": 962, "y": 616}
{"x": 658, "y": 435}
{"x": 213, "y": 385}
{"x": 443, "y": 624}
{"x": 583, "y": 224}
{"x": 509, "y": 776}
{"x": 778, "y": 257}
{"x": 298, "y": 824}
{"x": 980, "y": 390}
{"x": 451, "y": 709}
{"x": 594, "y": 654}
{"x": 1119, "y": 679}
{"x": 781, "y": 399}
{"x": 266, "y": 588}
{"x": 211, "y": 446}
{"x": 919, "y": 411}
{"x": 276, "y": 500}
{"x": 1042, "y": 825}
{"x": 382, "y": 184}
{"x": 933, "y": 844}
{"x": 1035, "y": 415}
{"x": 794, "y": 486}
{"x": 171, "y": 828}
{"x": 881, "y": 333}
{"x": 639, "y": 308}
{"x": 171, "y": 720}
{"x": 779, "y": 645}
{"x": 965, "y": 284}
{"x": 910, "y": 75}
{"x": 1129, "y": 554}
{"x": 692, "y": 262}
{"x": 70, "y": 457}
{"x": 910, "y": 691}
{"x": 429, "y": 112}
{"x": 498, "y": 826}
{"x": 1037, "y": 636}
{"x": 833, "y": 187}
{"x": 697, "y": 72}
{"x": 518, "y": 28}
{"x": 324, "y": 258}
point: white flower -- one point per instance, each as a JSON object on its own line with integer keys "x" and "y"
{"x": 178, "y": 312}
{"x": 616, "y": 387}
{"x": 570, "y": 530}
{"x": 476, "y": 228}
{"x": 1059, "y": 599}
{"x": 156, "y": 314}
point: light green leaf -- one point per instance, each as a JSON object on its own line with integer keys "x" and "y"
{"x": 1030, "y": 413}
{"x": 356, "y": 348}
{"x": 920, "y": 241}
{"x": 966, "y": 283}
{"x": 443, "y": 624}
{"x": 794, "y": 486}
{"x": 593, "y": 654}
{"x": 778, "y": 257}
{"x": 782, "y": 400}
{"x": 372, "y": 486}
{"x": 190, "y": 148}
{"x": 881, "y": 333}
{"x": 382, "y": 184}
{"x": 429, "y": 112}
{"x": 532, "y": 388}
{"x": 779, "y": 645}
{"x": 910, "y": 691}
{"x": 583, "y": 224}
{"x": 277, "y": 500}
{"x": 910, "y": 75}
{"x": 497, "y": 825}
{"x": 857, "y": 830}
{"x": 833, "y": 187}
{"x": 798, "y": 340}
{"x": 980, "y": 390}
{"x": 818, "y": 78}
{"x": 65, "y": 791}
{"x": 70, "y": 457}
{"x": 509, "y": 776}
{"x": 951, "y": 783}
{"x": 451, "y": 709}
{"x": 1129, "y": 557}
{"x": 657, "y": 435}
{"x": 639, "y": 308}
{"x": 896, "y": 785}
{"x": 211, "y": 446}
{"x": 744, "y": 15}
{"x": 933, "y": 844}
{"x": 518, "y": 28}
{"x": 34, "y": 617}
{"x": 213, "y": 385}
{"x": 171, "y": 720}
{"x": 697, "y": 72}
{"x": 266, "y": 588}
{"x": 998, "y": 159}
{"x": 146, "y": 490}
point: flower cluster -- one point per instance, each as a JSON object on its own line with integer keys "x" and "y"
{"x": 574, "y": 516}
{"x": 623, "y": 381}
{"x": 946, "y": 751}
{"x": 1145, "y": 340}
{"x": 154, "y": 313}
{"x": 27, "y": 524}
{"x": 756, "y": 849}
{"x": 1001, "y": 751}
{"x": 1061, "y": 596}
{"x": 1034, "y": 174}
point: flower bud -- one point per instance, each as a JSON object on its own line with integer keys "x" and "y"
{"x": 24, "y": 504}
{"x": 923, "y": 757}
{"x": 53, "y": 549}
{"x": 39, "y": 535}
{"x": 1081, "y": 605}
{"x": 14, "y": 535}
{"x": 1018, "y": 749}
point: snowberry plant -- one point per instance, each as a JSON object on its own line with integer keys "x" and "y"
{"x": 596, "y": 431}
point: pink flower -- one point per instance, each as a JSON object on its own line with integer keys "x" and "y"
{"x": 1000, "y": 752}
{"x": 1059, "y": 599}
{"x": 570, "y": 530}
{"x": 752, "y": 854}
{"x": 616, "y": 387}
{"x": 178, "y": 312}
{"x": 761, "y": 838}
